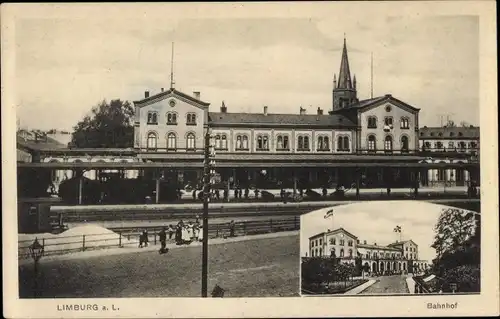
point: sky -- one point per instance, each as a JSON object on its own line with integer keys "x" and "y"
{"x": 66, "y": 65}
{"x": 375, "y": 223}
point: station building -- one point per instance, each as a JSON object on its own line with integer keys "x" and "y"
{"x": 271, "y": 150}
{"x": 398, "y": 256}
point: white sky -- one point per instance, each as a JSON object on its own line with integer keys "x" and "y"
{"x": 375, "y": 222}
{"x": 68, "y": 63}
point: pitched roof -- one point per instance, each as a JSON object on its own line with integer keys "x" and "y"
{"x": 402, "y": 242}
{"x": 261, "y": 119}
{"x": 377, "y": 247}
{"x": 42, "y": 143}
{"x": 162, "y": 95}
{"x": 449, "y": 132}
{"x": 365, "y": 104}
{"x": 341, "y": 230}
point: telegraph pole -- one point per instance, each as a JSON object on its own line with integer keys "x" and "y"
{"x": 206, "y": 198}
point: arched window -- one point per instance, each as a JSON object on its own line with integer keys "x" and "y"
{"x": 323, "y": 143}
{"x": 346, "y": 143}
{"x": 223, "y": 142}
{"x": 265, "y": 142}
{"x": 151, "y": 143}
{"x": 262, "y": 143}
{"x": 152, "y": 118}
{"x": 320, "y": 252}
{"x": 372, "y": 122}
{"x": 404, "y": 143}
{"x": 171, "y": 118}
{"x": 342, "y": 252}
{"x": 305, "y": 143}
{"x": 279, "y": 142}
{"x": 239, "y": 144}
{"x": 372, "y": 143}
{"x": 462, "y": 146}
{"x": 388, "y": 143}
{"x": 350, "y": 253}
{"x": 339, "y": 143}
{"x": 191, "y": 119}
{"x": 217, "y": 141}
{"x": 300, "y": 143}
{"x": 245, "y": 142}
{"x": 332, "y": 252}
{"x": 286, "y": 144}
{"x": 171, "y": 141}
{"x": 451, "y": 145}
{"x": 191, "y": 141}
{"x": 405, "y": 123}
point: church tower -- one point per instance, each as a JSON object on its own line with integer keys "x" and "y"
{"x": 344, "y": 89}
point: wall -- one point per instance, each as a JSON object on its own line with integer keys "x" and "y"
{"x": 397, "y": 132}
{"x": 181, "y": 129}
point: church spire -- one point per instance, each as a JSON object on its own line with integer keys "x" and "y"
{"x": 344, "y": 81}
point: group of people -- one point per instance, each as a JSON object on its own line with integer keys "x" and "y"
{"x": 216, "y": 194}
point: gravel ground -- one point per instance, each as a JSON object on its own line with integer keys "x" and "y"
{"x": 254, "y": 268}
{"x": 388, "y": 285}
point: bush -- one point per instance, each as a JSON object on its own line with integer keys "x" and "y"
{"x": 467, "y": 278}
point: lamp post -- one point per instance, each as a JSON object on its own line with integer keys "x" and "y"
{"x": 36, "y": 252}
{"x": 207, "y": 172}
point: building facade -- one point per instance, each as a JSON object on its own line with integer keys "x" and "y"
{"x": 169, "y": 126}
{"x": 271, "y": 150}
{"x": 346, "y": 247}
{"x": 449, "y": 145}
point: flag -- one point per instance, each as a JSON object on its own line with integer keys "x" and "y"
{"x": 397, "y": 229}
{"x": 329, "y": 213}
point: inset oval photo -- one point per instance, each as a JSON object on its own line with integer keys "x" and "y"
{"x": 390, "y": 248}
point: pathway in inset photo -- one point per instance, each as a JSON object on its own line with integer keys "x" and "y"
{"x": 388, "y": 285}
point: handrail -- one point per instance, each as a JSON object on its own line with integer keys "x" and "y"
{"x": 122, "y": 236}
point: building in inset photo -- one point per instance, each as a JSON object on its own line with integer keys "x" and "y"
{"x": 390, "y": 247}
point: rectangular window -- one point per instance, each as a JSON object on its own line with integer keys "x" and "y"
{"x": 152, "y": 118}
{"x": 388, "y": 121}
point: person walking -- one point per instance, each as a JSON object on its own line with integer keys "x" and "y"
{"x": 163, "y": 240}
{"x": 231, "y": 228}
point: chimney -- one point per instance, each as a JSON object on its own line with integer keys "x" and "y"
{"x": 146, "y": 94}
{"x": 162, "y": 89}
{"x": 302, "y": 111}
{"x": 196, "y": 95}
{"x": 265, "y": 110}
{"x": 375, "y": 244}
{"x": 223, "y": 108}
{"x": 358, "y": 241}
{"x": 364, "y": 242}
{"x": 320, "y": 111}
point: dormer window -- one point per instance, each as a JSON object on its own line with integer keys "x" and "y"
{"x": 191, "y": 119}
{"x": 171, "y": 118}
{"x": 152, "y": 118}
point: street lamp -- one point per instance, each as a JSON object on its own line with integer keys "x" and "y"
{"x": 36, "y": 252}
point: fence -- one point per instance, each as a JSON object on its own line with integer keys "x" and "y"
{"x": 122, "y": 237}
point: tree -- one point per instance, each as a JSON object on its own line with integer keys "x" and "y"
{"x": 454, "y": 227}
{"x": 108, "y": 126}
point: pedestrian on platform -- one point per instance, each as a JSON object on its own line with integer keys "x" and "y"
{"x": 225, "y": 194}
{"x": 163, "y": 240}
{"x": 247, "y": 193}
{"x": 325, "y": 192}
{"x": 194, "y": 194}
{"x": 143, "y": 239}
{"x": 231, "y": 228}
{"x": 236, "y": 193}
{"x": 178, "y": 233}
